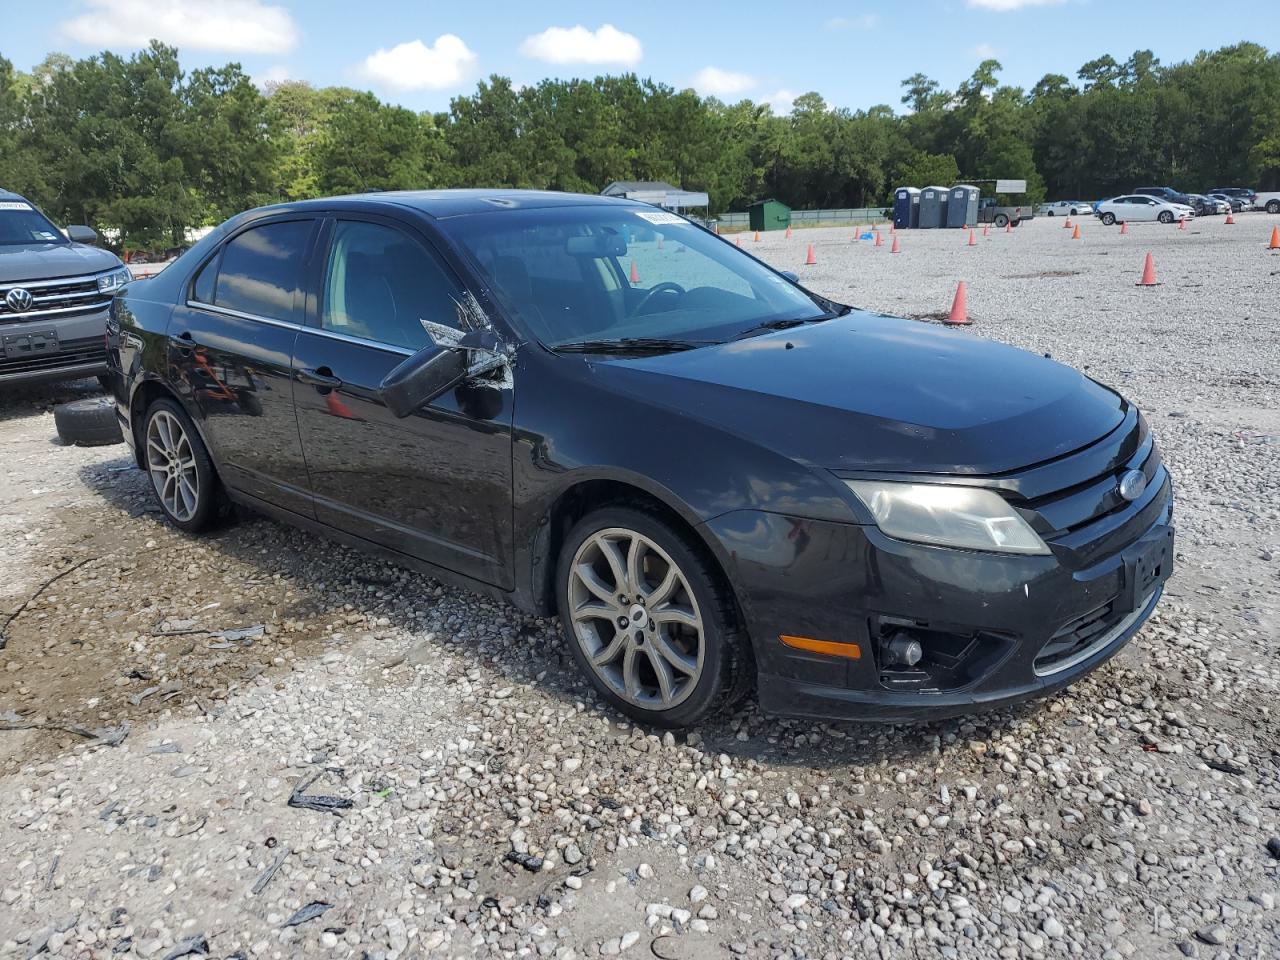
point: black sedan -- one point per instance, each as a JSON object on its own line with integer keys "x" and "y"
{"x": 594, "y": 408}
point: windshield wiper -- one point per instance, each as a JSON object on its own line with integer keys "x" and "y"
{"x": 781, "y": 325}
{"x": 630, "y": 345}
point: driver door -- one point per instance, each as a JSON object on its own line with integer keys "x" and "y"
{"x": 436, "y": 484}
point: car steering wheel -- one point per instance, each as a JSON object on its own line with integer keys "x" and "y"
{"x": 666, "y": 286}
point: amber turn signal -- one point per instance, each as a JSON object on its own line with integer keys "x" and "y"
{"x": 829, "y": 647}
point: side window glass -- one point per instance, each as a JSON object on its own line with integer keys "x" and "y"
{"x": 261, "y": 269}
{"x": 202, "y": 288}
{"x": 382, "y": 285}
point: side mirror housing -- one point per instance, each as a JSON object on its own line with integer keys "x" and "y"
{"x": 792, "y": 276}
{"x": 79, "y": 233}
{"x": 421, "y": 378}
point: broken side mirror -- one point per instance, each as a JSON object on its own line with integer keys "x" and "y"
{"x": 421, "y": 378}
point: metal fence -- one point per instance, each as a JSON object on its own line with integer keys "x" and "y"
{"x": 810, "y": 218}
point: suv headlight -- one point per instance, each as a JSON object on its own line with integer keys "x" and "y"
{"x": 114, "y": 280}
{"x": 970, "y": 518}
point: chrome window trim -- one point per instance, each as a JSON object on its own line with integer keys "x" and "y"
{"x": 289, "y": 325}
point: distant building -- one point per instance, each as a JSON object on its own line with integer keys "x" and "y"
{"x": 658, "y": 193}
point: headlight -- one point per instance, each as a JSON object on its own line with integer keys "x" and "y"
{"x": 967, "y": 517}
{"x": 113, "y": 281}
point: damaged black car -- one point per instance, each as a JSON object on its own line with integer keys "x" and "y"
{"x": 718, "y": 480}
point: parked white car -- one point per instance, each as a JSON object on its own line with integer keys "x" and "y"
{"x": 1065, "y": 208}
{"x": 1269, "y": 201}
{"x": 1136, "y": 207}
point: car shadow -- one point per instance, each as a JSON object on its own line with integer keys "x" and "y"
{"x": 330, "y": 579}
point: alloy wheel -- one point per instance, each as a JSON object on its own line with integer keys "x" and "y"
{"x": 633, "y": 613}
{"x": 172, "y": 464}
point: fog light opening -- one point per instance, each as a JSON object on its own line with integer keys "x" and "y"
{"x": 902, "y": 649}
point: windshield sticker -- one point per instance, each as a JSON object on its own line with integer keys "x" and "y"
{"x": 661, "y": 216}
{"x": 14, "y": 205}
{"x": 45, "y": 235}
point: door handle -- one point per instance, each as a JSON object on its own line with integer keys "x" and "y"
{"x": 186, "y": 342}
{"x": 322, "y": 378}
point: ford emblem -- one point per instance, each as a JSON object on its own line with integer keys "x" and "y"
{"x": 1132, "y": 485}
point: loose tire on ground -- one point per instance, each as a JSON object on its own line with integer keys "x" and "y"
{"x": 90, "y": 422}
{"x": 724, "y": 664}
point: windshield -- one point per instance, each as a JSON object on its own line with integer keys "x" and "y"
{"x": 22, "y": 223}
{"x": 577, "y": 274}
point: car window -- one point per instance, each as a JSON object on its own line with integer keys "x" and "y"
{"x": 206, "y": 279}
{"x": 261, "y": 267}
{"x": 21, "y": 223}
{"x": 382, "y": 285}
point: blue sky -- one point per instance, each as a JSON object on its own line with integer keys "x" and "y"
{"x": 419, "y": 53}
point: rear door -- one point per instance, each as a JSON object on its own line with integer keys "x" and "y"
{"x": 230, "y": 350}
{"x": 437, "y": 484}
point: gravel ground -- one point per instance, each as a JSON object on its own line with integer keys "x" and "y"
{"x": 476, "y": 800}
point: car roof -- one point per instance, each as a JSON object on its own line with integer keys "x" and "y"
{"x": 10, "y": 195}
{"x": 441, "y": 204}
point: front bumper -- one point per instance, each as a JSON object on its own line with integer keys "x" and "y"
{"x": 996, "y": 629}
{"x": 81, "y": 348}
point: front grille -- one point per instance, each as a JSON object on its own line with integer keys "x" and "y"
{"x": 61, "y": 297}
{"x": 1080, "y": 513}
{"x": 70, "y": 353}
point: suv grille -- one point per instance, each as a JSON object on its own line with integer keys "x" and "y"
{"x": 63, "y": 297}
{"x": 71, "y": 353}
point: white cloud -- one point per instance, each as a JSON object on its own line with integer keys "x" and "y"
{"x": 1003, "y": 6}
{"x": 983, "y": 51}
{"x": 274, "y": 74}
{"x": 228, "y": 26}
{"x": 782, "y": 101}
{"x": 863, "y": 21}
{"x": 416, "y": 66}
{"x": 714, "y": 82}
{"x": 580, "y": 45}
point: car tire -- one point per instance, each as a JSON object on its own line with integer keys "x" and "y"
{"x": 1074, "y": 212}
{"x": 1273, "y": 206}
{"x": 694, "y": 619}
{"x": 1002, "y": 220}
{"x": 178, "y": 465}
{"x": 1109, "y": 219}
{"x": 1050, "y": 213}
{"x": 90, "y": 422}
{"x": 1166, "y": 216}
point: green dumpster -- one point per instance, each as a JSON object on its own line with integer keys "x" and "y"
{"x": 769, "y": 215}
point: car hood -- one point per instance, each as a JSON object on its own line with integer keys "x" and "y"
{"x": 45, "y": 261}
{"x": 868, "y": 392}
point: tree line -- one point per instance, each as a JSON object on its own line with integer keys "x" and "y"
{"x": 139, "y": 146}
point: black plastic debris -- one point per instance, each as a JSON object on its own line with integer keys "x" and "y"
{"x": 262, "y": 881}
{"x": 527, "y": 860}
{"x": 316, "y": 801}
{"x": 188, "y": 946}
{"x": 312, "y": 910}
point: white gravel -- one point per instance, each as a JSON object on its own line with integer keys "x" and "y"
{"x": 498, "y": 810}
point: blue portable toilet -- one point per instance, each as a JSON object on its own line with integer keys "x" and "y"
{"x": 933, "y": 207}
{"x": 962, "y": 207}
{"x": 906, "y": 208}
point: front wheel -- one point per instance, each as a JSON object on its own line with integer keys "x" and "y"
{"x": 1003, "y": 221}
{"x": 181, "y": 472}
{"x": 1109, "y": 219}
{"x": 649, "y": 620}
{"x": 1051, "y": 213}
{"x": 1166, "y": 216}
{"x": 1273, "y": 206}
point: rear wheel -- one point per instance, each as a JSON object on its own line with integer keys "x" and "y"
{"x": 648, "y": 619}
{"x": 1166, "y": 216}
{"x": 1003, "y": 220}
{"x": 1273, "y": 206}
{"x": 1109, "y": 219}
{"x": 181, "y": 472}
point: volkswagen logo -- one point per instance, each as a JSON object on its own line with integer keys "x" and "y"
{"x": 18, "y": 300}
{"x": 1132, "y": 484}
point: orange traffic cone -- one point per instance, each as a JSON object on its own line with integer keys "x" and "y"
{"x": 973, "y": 240}
{"x": 1067, "y": 224}
{"x": 1230, "y": 217}
{"x": 1182, "y": 223}
{"x": 737, "y": 241}
{"x": 1075, "y": 234}
{"x": 1008, "y": 227}
{"x": 810, "y": 259}
{"x": 893, "y": 227}
{"x": 1124, "y": 226}
{"x": 337, "y": 408}
{"x": 788, "y": 231}
{"x": 1275, "y": 239}
{"x": 1148, "y": 273}
{"x": 959, "y": 313}
{"x": 635, "y": 274}
{"x": 879, "y": 239}
{"x": 757, "y": 237}
{"x": 894, "y": 248}
{"x": 986, "y": 230}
